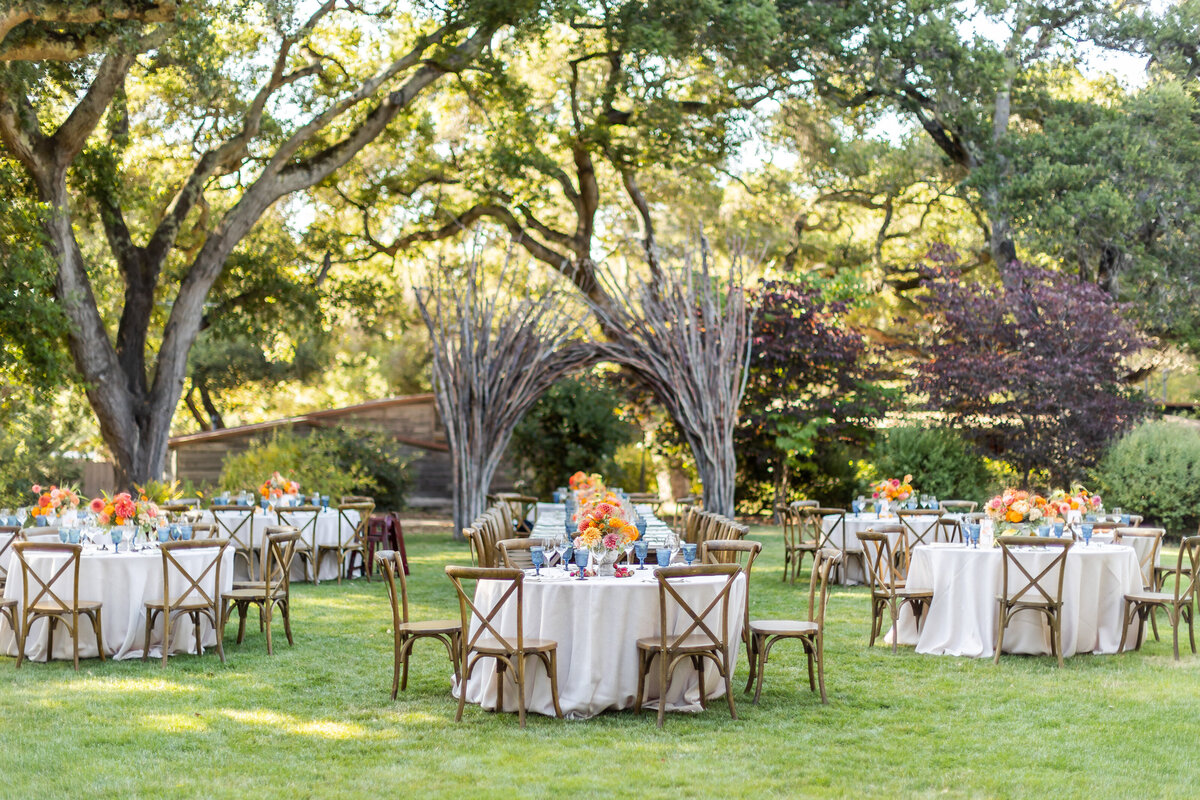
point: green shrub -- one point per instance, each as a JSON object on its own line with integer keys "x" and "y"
{"x": 941, "y": 462}
{"x": 1154, "y": 470}
{"x": 332, "y": 461}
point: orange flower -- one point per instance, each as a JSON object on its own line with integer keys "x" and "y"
{"x": 1013, "y": 516}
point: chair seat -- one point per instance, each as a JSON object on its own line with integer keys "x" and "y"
{"x": 914, "y": 594}
{"x": 490, "y": 646}
{"x": 249, "y": 594}
{"x": 783, "y": 627}
{"x": 84, "y": 605}
{"x": 7, "y": 603}
{"x": 198, "y": 605}
{"x": 1030, "y": 603}
{"x": 431, "y": 626}
{"x": 812, "y": 546}
{"x": 1151, "y": 597}
{"x": 696, "y": 643}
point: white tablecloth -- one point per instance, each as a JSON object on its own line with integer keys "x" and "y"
{"x": 325, "y": 534}
{"x": 123, "y": 583}
{"x": 597, "y": 623}
{"x": 845, "y": 538}
{"x": 961, "y": 619}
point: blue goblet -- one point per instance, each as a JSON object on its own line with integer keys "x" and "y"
{"x": 663, "y": 555}
{"x": 640, "y": 524}
{"x": 116, "y": 534}
{"x": 73, "y": 535}
{"x": 640, "y": 549}
{"x": 689, "y": 553}
{"x": 581, "y": 559}
{"x": 324, "y": 502}
{"x": 173, "y": 533}
{"x": 1043, "y": 530}
{"x": 973, "y": 533}
{"x": 567, "y": 556}
{"x": 538, "y": 556}
{"x": 185, "y": 532}
{"x": 63, "y": 535}
{"x": 164, "y": 533}
{"x": 1124, "y": 519}
{"x": 1086, "y": 530}
{"x": 1058, "y": 529}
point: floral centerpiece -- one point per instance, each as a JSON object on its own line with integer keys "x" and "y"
{"x": 893, "y": 491}
{"x": 277, "y": 486}
{"x": 122, "y": 510}
{"x": 604, "y": 531}
{"x": 52, "y": 502}
{"x": 1078, "y": 499}
{"x": 1018, "y": 510}
{"x": 582, "y": 482}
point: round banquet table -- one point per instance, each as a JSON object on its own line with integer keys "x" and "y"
{"x": 597, "y": 623}
{"x": 329, "y": 524}
{"x": 961, "y": 619}
{"x": 851, "y": 571}
{"x": 123, "y": 582}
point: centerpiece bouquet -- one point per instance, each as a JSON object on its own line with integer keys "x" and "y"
{"x": 277, "y": 486}
{"x": 52, "y": 503}
{"x": 604, "y": 531}
{"x": 892, "y": 491}
{"x": 1019, "y": 511}
{"x": 122, "y": 510}
{"x": 1078, "y": 499}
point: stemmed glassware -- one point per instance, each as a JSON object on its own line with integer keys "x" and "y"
{"x": 857, "y": 505}
{"x": 1086, "y": 531}
{"x": 689, "y": 553}
{"x": 22, "y": 515}
{"x": 640, "y": 549}
{"x": 116, "y": 534}
{"x": 972, "y": 529}
{"x": 933, "y": 502}
{"x": 673, "y": 544}
{"x": 581, "y": 560}
{"x": 538, "y": 556}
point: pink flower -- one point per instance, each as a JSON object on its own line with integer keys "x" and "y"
{"x": 611, "y": 541}
{"x": 578, "y": 543}
{"x": 97, "y": 505}
{"x": 37, "y": 488}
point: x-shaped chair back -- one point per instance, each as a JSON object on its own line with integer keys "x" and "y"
{"x": 398, "y": 595}
{"x": 514, "y": 553}
{"x": 8, "y": 535}
{"x": 698, "y": 619}
{"x": 279, "y": 550}
{"x": 303, "y": 519}
{"x": 958, "y": 506}
{"x": 880, "y": 558}
{"x": 1019, "y": 585}
{"x": 1187, "y": 571}
{"x": 193, "y": 582}
{"x": 734, "y": 551}
{"x": 833, "y": 536}
{"x": 818, "y": 584}
{"x": 1149, "y": 559}
{"x": 241, "y": 535}
{"x": 809, "y": 528}
{"x": 920, "y": 525}
{"x": 475, "y": 538}
{"x": 948, "y": 529}
{"x": 46, "y": 593}
{"x": 790, "y": 519}
{"x": 357, "y": 529}
{"x": 469, "y": 612}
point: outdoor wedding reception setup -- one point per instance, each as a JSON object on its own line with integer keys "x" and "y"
{"x": 741, "y": 398}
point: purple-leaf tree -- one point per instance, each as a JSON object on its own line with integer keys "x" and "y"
{"x": 1031, "y": 371}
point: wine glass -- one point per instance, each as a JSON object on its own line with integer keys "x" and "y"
{"x": 1086, "y": 530}
{"x": 924, "y": 501}
{"x": 568, "y": 553}
{"x": 689, "y": 553}
{"x": 538, "y": 556}
{"x": 673, "y": 544}
{"x": 856, "y": 505}
{"x": 22, "y": 515}
{"x": 581, "y": 559}
{"x": 933, "y": 501}
{"x": 116, "y": 534}
{"x": 640, "y": 549}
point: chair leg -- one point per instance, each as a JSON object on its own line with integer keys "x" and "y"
{"x": 641, "y": 690}
{"x": 53, "y": 622}
{"x": 21, "y": 634}
{"x": 820, "y": 647}
{"x": 196, "y": 631}
{"x": 1174, "y": 620}
{"x": 808, "y": 651}
{"x": 521, "y": 688}
{"x": 268, "y": 612}
{"x": 698, "y": 664}
{"x": 166, "y": 642}
{"x": 397, "y": 648}
{"x": 1125, "y": 620}
{"x": 999, "y": 630}
{"x": 895, "y": 625}
{"x": 763, "y": 657}
{"x": 1154, "y": 623}
{"x": 727, "y": 674}
{"x": 285, "y": 608}
{"x": 664, "y": 682}
{"x": 98, "y": 629}
{"x": 499, "y": 685}
{"x": 149, "y": 627}
{"x": 405, "y": 652}
{"x": 552, "y": 668}
{"x": 220, "y": 634}
{"x": 752, "y": 655}
{"x": 75, "y": 637}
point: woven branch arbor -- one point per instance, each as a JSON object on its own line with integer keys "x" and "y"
{"x": 686, "y": 333}
{"x": 496, "y": 350}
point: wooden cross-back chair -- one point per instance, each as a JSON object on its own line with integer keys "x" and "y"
{"x": 405, "y": 633}
{"x": 765, "y": 633}
{"x": 948, "y": 529}
{"x": 833, "y": 536}
{"x": 40, "y": 599}
{"x": 352, "y": 539}
{"x": 958, "y": 506}
{"x": 515, "y": 552}
{"x": 244, "y": 539}
{"x": 1040, "y": 593}
{"x": 487, "y": 641}
{"x": 697, "y": 643}
{"x": 1147, "y": 556}
{"x": 920, "y": 527}
{"x": 796, "y": 542}
{"x": 888, "y": 591}
{"x": 1179, "y": 604}
{"x": 304, "y": 520}
{"x": 682, "y": 505}
{"x": 272, "y": 592}
{"x": 194, "y": 600}
{"x": 734, "y": 551}
{"x": 8, "y": 535}
{"x": 520, "y": 507}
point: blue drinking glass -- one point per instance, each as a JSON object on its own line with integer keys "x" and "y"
{"x": 556, "y": 496}
{"x": 116, "y": 535}
{"x": 973, "y": 533}
{"x": 185, "y": 532}
{"x": 73, "y": 536}
{"x": 664, "y": 556}
{"x": 689, "y": 553}
{"x": 538, "y": 556}
{"x": 63, "y": 535}
{"x": 1086, "y": 530}
{"x": 581, "y": 559}
{"x": 1058, "y": 529}
{"x": 641, "y": 550}
{"x": 263, "y": 503}
{"x": 1124, "y": 519}
{"x": 569, "y": 525}
{"x": 1043, "y": 530}
{"x": 325, "y": 502}
{"x": 640, "y": 524}
{"x": 164, "y": 533}
{"x": 568, "y": 556}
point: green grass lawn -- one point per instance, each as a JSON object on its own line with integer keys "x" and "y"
{"x": 315, "y": 720}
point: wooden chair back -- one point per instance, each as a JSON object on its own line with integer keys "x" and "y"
{"x": 818, "y": 584}
{"x": 469, "y": 612}
{"x": 880, "y": 558}
{"x": 193, "y": 591}
{"x": 357, "y": 529}
{"x": 48, "y": 592}
{"x": 958, "y": 506}
{"x": 948, "y": 529}
{"x": 920, "y": 526}
{"x": 1019, "y": 585}
{"x": 8, "y": 535}
{"x": 241, "y": 535}
{"x": 734, "y": 551}
{"x": 393, "y": 569}
{"x": 789, "y": 520}
{"x": 514, "y": 553}
{"x": 207, "y": 530}
{"x": 698, "y": 623}
{"x": 1147, "y": 557}
{"x": 303, "y": 519}
{"x": 474, "y": 538}
{"x": 1187, "y": 571}
{"x": 835, "y": 535}
{"x": 279, "y": 551}
{"x": 798, "y": 504}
